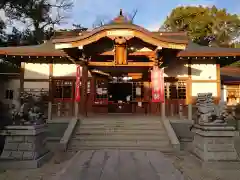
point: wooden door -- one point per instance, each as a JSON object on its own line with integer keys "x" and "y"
{"x": 175, "y": 94}
{"x": 63, "y": 93}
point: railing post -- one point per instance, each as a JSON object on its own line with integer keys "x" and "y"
{"x": 172, "y": 109}
{"x": 190, "y": 112}
{"x": 59, "y": 109}
{"x": 234, "y": 115}
{"x": 163, "y": 110}
{"x": 181, "y": 111}
{"x": 49, "y": 110}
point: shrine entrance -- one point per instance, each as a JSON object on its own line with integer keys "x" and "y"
{"x": 122, "y": 94}
{"x": 119, "y": 97}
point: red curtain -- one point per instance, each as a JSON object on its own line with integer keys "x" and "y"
{"x": 78, "y": 82}
{"x": 157, "y": 79}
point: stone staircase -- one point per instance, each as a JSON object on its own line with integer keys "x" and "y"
{"x": 120, "y": 132}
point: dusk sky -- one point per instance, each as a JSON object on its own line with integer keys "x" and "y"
{"x": 151, "y": 13}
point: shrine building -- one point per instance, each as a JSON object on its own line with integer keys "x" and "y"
{"x": 117, "y": 68}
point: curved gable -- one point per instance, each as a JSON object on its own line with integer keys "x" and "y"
{"x": 115, "y": 30}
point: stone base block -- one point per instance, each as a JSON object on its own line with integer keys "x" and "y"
{"x": 25, "y": 147}
{"x": 224, "y": 165}
{"x": 214, "y": 143}
{"x": 28, "y": 164}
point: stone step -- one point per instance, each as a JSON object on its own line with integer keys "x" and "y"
{"x": 168, "y": 149}
{"x": 107, "y": 129}
{"x": 120, "y": 137}
{"x": 130, "y": 132}
{"x": 122, "y": 143}
{"x": 119, "y": 126}
{"x": 109, "y": 122}
{"x": 119, "y": 133}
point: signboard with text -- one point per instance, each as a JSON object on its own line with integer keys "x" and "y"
{"x": 157, "y": 79}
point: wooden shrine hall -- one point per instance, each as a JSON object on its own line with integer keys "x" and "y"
{"x": 120, "y": 68}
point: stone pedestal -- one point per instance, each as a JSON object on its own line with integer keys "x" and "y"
{"x": 25, "y": 147}
{"x": 214, "y": 143}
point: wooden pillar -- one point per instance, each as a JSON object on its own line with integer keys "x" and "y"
{"x": 163, "y": 105}
{"x": 146, "y": 95}
{"x": 21, "y": 90}
{"x": 50, "y": 95}
{"x": 189, "y": 90}
{"x": 163, "y": 110}
{"x": 218, "y": 83}
{"x": 84, "y": 81}
{"x": 172, "y": 109}
{"x": 76, "y": 111}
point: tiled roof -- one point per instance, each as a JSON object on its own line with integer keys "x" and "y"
{"x": 230, "y": 74}
{"x": 45, "y": 49}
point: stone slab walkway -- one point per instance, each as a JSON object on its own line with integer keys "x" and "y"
{"x": 120, "y": 165}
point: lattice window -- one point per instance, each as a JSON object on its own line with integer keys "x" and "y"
{"x": 166, "y": 90}
{"x": 176, "y": 90}
{"x": 63, "y": 89}
{"x": 173, "y": 91}
{"x": 9, "y": 94}
{"x": 181, "y": 90}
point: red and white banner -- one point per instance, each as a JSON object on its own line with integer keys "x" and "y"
{"x": 157, "y": 79}
{"x": 78, "y": 83}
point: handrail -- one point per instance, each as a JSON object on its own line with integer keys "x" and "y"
{"x": 171, "y": 134}
{"x": 68, "y": 134}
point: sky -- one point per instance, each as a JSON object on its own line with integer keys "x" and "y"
{"x": 151, "y": 13}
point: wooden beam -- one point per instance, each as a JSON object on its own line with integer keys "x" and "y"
{"x": 138, "y": 53}
{"x": 135, "y": 64}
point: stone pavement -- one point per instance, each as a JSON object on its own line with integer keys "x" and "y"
{"x": 47, "y": 171}
{"x": 191, "y": 168}
{"x": 121, "y": 165}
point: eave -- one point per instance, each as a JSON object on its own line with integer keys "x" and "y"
{"x": 130, "y": 27}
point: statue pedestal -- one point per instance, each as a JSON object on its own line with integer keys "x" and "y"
{"x": 25, "y": 147}
{"x": 213, "y": 144}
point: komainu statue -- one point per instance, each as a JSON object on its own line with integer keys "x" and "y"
{"x": 208, "y": 112}
{"x": 31, "y": 111}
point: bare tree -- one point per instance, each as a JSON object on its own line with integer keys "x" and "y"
{"x": 101, "y": 21}
{"x": 40, "y": 14}
{"x": 131, "y": 16}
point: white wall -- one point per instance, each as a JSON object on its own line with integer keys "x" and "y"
{"x": 36, "y": 71}
{"x": 201, "y": 70}
{"x": 64, "y": 70}
{"x": 204, "y": 71}
{"x": 208, "y": 87}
